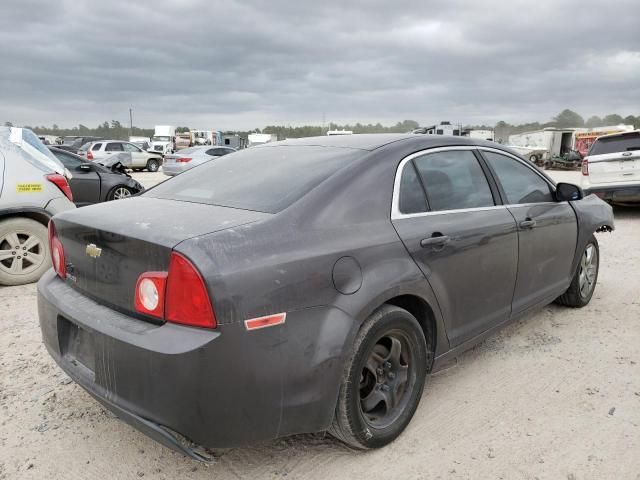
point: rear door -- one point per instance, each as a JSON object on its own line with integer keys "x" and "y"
{"x": 615, "y": 159}
{"x": 464, "y": 243}
{"x": 547, "y": 230}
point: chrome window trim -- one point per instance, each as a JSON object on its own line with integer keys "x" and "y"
{"x": 395, "y": 199}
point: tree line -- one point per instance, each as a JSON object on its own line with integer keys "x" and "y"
{"x": 566, "y": 118}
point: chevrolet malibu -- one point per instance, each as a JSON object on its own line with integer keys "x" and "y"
{"x": 308, "y": 285}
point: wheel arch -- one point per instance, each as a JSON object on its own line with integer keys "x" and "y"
{"x": 420, "y": 308}
{"x": 40, "y": 216}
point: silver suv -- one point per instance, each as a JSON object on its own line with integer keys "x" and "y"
{"x": 33, "y": 188}
{"x": 140, "y": 159}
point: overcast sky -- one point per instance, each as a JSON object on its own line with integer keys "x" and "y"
{"x": 228, "y": 64}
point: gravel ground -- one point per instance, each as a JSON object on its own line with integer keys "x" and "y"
{"x": 553, "y": 396}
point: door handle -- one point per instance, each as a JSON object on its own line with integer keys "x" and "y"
{"x": 434, "y": 241}
{"x": 528, "y": 223}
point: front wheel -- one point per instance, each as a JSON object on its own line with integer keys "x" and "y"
{"x": 383, "y": 380}
{"x": 584, "y": 281}
{"x": 119, "y": 192}
{"x": 153, "y": 165}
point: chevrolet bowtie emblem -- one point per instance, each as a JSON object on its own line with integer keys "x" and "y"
{"x": 93, "y": 251}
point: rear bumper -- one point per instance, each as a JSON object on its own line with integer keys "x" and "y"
{"x": 615, "y": 193}
{"x": 219, "y": 389}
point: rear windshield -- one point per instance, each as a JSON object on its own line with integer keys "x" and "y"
{"x": 622, "y": 143}
{"x": 263, "y": 179}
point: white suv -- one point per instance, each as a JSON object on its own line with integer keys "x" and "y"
{"x": 140, "y": 159}
{"x": 611, "y": 169}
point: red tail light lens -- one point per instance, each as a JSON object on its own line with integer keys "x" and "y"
{"x": 89, "y": 155}
{"x": 183, "y": 160}
{"x": 61, "y": 182}
{"x": 187, "y": 299}
{"x": 178, "y": 296}
{"x": 57, "y": 252}
{"x": 585, "y": 167}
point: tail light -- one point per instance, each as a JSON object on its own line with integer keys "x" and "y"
{"x": 62, "y": 184}
{"x": 89, "y": 155}
{"x": 57, "y": 252}
{"x": 178, "y": 296}
{"x": 183, "y": 160}
{"x": 585, "y": 167}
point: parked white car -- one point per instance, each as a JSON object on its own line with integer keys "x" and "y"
{"x": 188, "y": 158}
{"x": 611, "y": 169}
{"x": 33, "y": 188}
{"x": 140, "y": 159}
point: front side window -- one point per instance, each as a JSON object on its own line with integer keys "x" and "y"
{"x": 454, "y": 180}
{"x": 113, "y": 147}
{"x": 520, "y": 183}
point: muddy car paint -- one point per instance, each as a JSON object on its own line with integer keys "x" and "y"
{"x": 229, "y": 387}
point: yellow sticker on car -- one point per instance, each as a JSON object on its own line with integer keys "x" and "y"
{"x": 29, "y": 187}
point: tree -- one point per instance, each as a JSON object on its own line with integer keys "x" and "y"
{"x": 8, "y": 124}
{"x": 631, "y": 120}
{"x": 593, "y": 121}
{"x": 613, "y": 119}
{"x": 182, "y": 129}
{"x": 568, "y": 118}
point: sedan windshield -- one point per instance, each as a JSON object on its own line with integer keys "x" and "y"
{"x": 264, "y": 179}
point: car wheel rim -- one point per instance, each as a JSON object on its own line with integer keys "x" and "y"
{"x": 384, "y": 381}
{"x": 121, "y": 193}
{"x": 588, "y": 270}
{"x": 21, "y": 253}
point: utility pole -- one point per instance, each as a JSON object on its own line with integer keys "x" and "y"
{"x": 130, "y": 122}
{"x": 323, "y": 120}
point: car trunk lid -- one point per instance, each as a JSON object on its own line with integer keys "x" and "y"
{"x": 108, "y": 246}
{"x": 614, "y": 167}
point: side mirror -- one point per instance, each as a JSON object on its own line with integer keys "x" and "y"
{"x": 567, "y": 192}
{"x": 84, "y": 167}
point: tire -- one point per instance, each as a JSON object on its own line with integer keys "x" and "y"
{"x": 374, "y": 372}
{"x": 153, "y": 165}
{"x": 533, "y": 159}
{"x": 31, "y": 259}
{"x": 119, "y": 192}
{"x": 582, "y": 287}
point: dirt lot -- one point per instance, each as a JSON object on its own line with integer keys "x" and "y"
{"x": 556, "y": 395}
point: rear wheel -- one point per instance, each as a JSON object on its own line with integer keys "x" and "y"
{"x": 153, "y": 165}
{"x": 383, "y": 380}
{"x": 533, "y": 159}
{"x": 584, "y": 281}
{"x": 24, "y": 251}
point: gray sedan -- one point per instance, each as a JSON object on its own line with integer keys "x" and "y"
{"x": 309, "y": 285}
{"x": 188, "y": 158}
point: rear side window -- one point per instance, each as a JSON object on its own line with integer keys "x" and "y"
{"x": 622, "y": 143}
{"x": 113, "y": 147}
{"x": 264, "y": 179}
{"x": 520, "y": 183}
{"x": 454, "y": 180}
{"x": 96, "y": 147}
{"x": 412, "y": 199}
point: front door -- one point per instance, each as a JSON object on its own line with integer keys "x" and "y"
{"x": 463, "y": 242}
{"x": 547, "y": 231}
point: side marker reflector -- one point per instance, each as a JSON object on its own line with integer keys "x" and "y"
{"x": 262, "y": 322}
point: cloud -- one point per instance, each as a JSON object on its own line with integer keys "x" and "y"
{"x": 244, "y": 64}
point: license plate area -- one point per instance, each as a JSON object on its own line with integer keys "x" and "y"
{"x": 76, "y": 345}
